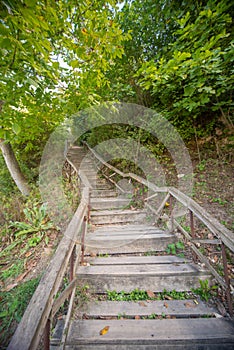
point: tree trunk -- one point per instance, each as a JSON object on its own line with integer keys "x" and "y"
{"x": 13, "y": 167}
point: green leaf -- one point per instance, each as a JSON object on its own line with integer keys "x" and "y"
{"x": 6, "y": 43}
{"x": 16, "y": 128}
{"x": 75, "y": 64}
{"x": 32, "y": 82}
{"x": 189, "y": 90}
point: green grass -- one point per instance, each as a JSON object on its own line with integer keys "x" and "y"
{"x": 205, "y": 291}
{"x": 12, "y": 307}
{"x": 137, "y": 295}
{"x": 175, "y": 248}
{"x": 13, "y": 271}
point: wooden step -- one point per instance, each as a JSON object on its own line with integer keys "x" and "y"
{"x": 139, "y": 260}
{"x": 109, "y": 203}
{"x": 103, "y": 193}
{"x": 101, "y": 186}
{"x": 122, "y": 243}
{"x": 166, "y": 334}
{"x": 144, "y": 273}
{"x": 130, "y": 309}
{"x": 103, "y": 217}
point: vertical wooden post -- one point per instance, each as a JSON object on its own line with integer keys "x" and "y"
{"x": 171, "y": 212}
{"x": 84, "y": 226}
{"x": 72, "y": 258}
{"x": 192, "y": 224}
{"x": 227, "y": 280}
{"x": 192, "y": 229}
{"x": 89, "y": 207}
{"x": 47, "y": 335}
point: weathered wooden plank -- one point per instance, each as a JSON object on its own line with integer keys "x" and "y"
{"x": 122, "y": 228}
{"x": 103, "y": 193}
{"x": 138, "y": 260}
{"x": 63, "y": 296}
{"x": 138, "y": 270}
{"x": 111, "y": 238}
{"x": 150, "y": 331}
{"x": 207, "y": 241}
{"x": 108, "y": 203}
{"x": 160, "y": 208}
{"x": 128, "y": 243}
{"x": 31, "y": 327}
{"x": 116, "y": 216}
{"x": 109, "y": 234}
{"x": 170, "y": 345}
{"x": 182, "y": 308}
{"x": 155, "y": 278}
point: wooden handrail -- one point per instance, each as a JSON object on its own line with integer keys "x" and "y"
{"x": 32, "y": 325}
{"x": 219, "y": 230}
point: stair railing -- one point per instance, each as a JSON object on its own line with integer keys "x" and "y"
{"x": 44, "y": 304}
{"x": 223, "y": 237}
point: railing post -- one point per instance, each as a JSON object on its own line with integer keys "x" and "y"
{"x": 83, "y": 238}
{"x": 227, "y": 280}
{"x": 171, "y": 212}
{"x": 192, "y": 230}
{"x": 47, "y": 335}
{"x": 89, "y": 208}
{"x": 192, "y": 224}
{"x": 72, "y": 258}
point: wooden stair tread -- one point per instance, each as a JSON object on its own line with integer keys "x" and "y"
{"x": 138, "y": 260}
{"x": 138, "y": 270}
{"x": 129, "y": 229}
{"x": 117, "y": 212}
{"x": 132, "y": 236}
{"x": 134, "y": 332}
{"x": 182, "y": 308}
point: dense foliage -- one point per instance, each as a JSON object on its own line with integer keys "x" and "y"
{"x": 60, "y": 56}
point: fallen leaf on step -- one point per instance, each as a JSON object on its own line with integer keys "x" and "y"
{"x": 195, "y": 301}
{"x": 27, "y": 254}
{"x": 188, "y": 304}
{"x": 167, "y": 297}
{"x": 166, "y": 305}
{"x": 141, "y": 303}
{"x": 137, "y": 317}
{"x": 93, "y": 255}
{"x": 150, "y": 294}
{"x": 104, "y": 330}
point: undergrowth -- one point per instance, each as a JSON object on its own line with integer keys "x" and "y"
{"x": 12, "y": 306}
{"x": 137, "y": 295}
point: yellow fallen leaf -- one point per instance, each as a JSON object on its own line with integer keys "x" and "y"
{"x": 104, "y": 330}
{"x": 188, "y": 304}
{"x": 195, "y": 301}
{"x": 167, "y": 204}
{"x": 166, "y": 305}
{"x": 141, "y": 303}
{"x": 150, "y": 294}
{"x": 84, "y": 31}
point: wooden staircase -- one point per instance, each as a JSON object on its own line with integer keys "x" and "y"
{"x": 124, "y": 253}
{"x": 124, "y": 291}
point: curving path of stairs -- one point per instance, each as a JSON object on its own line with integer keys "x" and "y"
{"x": 124, "y": 252}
